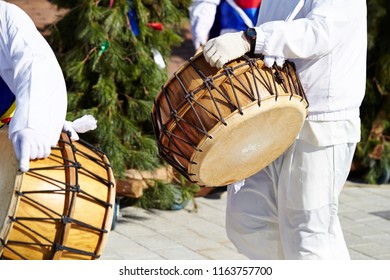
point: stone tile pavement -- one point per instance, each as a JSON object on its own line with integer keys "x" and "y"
{"x": 365, "y": 219}
{"x": 200, "y": 235}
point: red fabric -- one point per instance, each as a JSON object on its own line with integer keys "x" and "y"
{"x": 248, "y": 4}
{"x": 156, "y": 25}
{"x": 6, "y": 120}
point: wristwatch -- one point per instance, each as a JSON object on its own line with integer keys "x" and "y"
{"x": 250, "y": 35}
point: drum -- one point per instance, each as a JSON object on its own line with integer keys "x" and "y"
{"x": 218, "y": 126}
{"x": 62, "y": 208}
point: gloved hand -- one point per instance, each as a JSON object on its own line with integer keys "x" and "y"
{"x": 30, "y": 144}
{"x": 270, "y": 60}
{"x": 80, "y": 125}
{"x": 225, "y": 48}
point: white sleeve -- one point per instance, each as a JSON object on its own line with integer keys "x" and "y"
{"x": 202, "y": 16}
{"x": 324, "y": 26}
{"x": 35, "y": 78}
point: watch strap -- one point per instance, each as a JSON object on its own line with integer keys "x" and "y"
{"x": 250, "y": 35}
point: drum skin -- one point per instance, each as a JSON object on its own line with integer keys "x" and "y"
{"x": 62, "y": 208}
{"x": 218, "y": 126}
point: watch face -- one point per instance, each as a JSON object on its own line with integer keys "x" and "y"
{"x": 251, "y": 32}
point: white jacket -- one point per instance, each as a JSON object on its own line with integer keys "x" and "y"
{"x": 328, "y": 43}
{"x": 30, "y": 69}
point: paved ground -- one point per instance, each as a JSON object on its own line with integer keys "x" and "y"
{"x": 187, "y": 235}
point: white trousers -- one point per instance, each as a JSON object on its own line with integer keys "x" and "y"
{"x": 289, "y": 210}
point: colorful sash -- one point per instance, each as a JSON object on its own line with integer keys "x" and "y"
{"x": 7, "y": 103}
{"x": 235, "y": 15}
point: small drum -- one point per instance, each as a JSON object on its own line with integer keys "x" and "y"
{"x": 62, "y": 208}
{"x": 218, "y": 126}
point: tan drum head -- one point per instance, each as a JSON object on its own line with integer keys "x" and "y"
{"x": 8, "y": 173}
{"x": 249, "y": 142}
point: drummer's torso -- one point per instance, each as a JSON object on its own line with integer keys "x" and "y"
{"x": 280, "y": 9}
{"x": 331, "y": 71}
{"x": 7, "y": 98}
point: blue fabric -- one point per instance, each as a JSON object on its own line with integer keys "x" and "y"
{"x": 132, "y": 15}
{"x": 6, "y": 97}
{"x": 227, "y": 18}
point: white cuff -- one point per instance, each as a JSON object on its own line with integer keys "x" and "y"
{"x": 260, "y": 38}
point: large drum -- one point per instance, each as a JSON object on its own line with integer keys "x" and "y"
{"x": 62, "y": 208}
{"x": 218, "y": 126}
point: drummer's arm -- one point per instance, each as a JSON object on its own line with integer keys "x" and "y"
{"x": 313, "y": 36}
{"x": 39, "y": 88}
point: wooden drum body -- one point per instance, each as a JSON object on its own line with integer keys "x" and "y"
{"x": 218, "y": 126}
{"x": 62, "y": 208}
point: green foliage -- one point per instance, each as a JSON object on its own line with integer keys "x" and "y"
{"x": 111, "y": 73}
{"x": 375, "y": 110}
{"x": 167, "y": 196}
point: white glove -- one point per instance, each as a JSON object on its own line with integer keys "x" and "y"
{"x": 225, "y": 48}
{"x": 30, "y": 144}
{"x": 80, "y": 125}
{"x": 270, "y": 60}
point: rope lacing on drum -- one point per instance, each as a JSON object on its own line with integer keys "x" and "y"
{"x": 189, "y": 97}
{"x": 176, "y": 117}
{"x": 172, "y": 137}
{"x": 166, "y": 154}
{"x": 164, "y": 151}
{"x": 252, "y": 62}
{"x": 208, "y": 83}
{"x": 180, "y": 152}
{"x": 64, "y": 218}
{"x": 69, "y": 188}
{"x": 297, "y": 86}
{"x": 229, "y": 73}
{"x": 59, "y": 247}
{"x": 291, "y": 84}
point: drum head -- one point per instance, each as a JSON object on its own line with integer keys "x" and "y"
{"x": 249, "y": 142}
{"x": 8, "y": 174}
